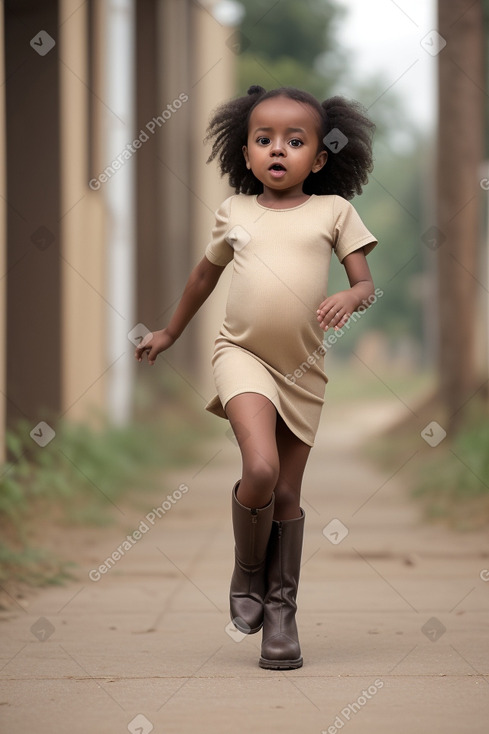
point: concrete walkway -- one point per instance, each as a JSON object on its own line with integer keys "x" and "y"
{"x": 393, "y": 615}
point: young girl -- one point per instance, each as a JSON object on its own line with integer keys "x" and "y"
{"x": 293, "y": 163}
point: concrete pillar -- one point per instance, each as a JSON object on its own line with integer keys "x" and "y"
{"x": 174, "y": 168}
{"x": 148, "y": 194}
{"x": 33, "y": 212}
{"x": 213, "y": 82}
{"x": 184, "y": 69}
{"x": 84, "y": 305}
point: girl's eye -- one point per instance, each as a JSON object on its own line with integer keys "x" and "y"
{"x": 263, "y": 141}
{"x": 296, "y": 143}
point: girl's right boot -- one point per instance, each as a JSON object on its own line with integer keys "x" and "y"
{"x": 248, "y": 584}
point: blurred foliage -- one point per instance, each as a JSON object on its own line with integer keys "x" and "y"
{"x": 33, "y": 566}
{"x": 295, "y": 44}
{"x": 287, "y": 28}
{"x": 285, "y": 42}
{"x": 392, "y": 205}
{"x": 82, "y": 474}
{"x": 281, "y": 72}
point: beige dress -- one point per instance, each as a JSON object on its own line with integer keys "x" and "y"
{"x": 270, "y": 342}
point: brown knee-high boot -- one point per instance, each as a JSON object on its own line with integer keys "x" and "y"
{"x": 280, "y": 648}
{"x": 251, "y": 534}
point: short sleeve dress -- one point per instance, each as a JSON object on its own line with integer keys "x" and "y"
{"x": 270, "y": 341}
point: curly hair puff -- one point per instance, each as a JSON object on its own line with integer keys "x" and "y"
{"x": 345, "y": 172}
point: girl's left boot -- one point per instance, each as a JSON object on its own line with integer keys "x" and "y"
{"x": 248, "y": 584}
{"x": 280, "y": 648}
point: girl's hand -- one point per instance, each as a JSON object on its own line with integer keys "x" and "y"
{"x": 153, "y": 344}
{"x": 336, "y": 310}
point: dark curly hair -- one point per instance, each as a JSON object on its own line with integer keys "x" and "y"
{"x": 345, "y": 172}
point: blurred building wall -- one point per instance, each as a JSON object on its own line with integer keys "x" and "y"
{"x": 214, "y": 83}
{"x": 32, "y": 89}
{"x": 54, "y": 219}
{"x": 3, "y": 245}
{"x": 177, "y": 192}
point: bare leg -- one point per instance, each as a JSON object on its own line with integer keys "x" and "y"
{"x": 293, "y": 454}
{"x": 273, "y": 457}
{"x": 254, "y": 419}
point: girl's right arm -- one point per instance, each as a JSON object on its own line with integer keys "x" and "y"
{"x": 202, "y": 281}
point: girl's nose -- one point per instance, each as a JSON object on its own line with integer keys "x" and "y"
{"x": 277, "y": 148}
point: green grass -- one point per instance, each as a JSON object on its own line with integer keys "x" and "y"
{"x": 81, "y": 475}
{"x": 454, "y": 483}
{"x": 33, "y": 566}
{"x": 451, "y": 480}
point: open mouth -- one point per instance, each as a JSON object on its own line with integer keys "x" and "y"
{"x": 277, "y": 170}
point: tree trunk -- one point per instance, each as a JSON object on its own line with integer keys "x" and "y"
{"x": 460, "y": 151}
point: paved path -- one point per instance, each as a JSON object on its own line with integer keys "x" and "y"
{"x": 393, "y": 619}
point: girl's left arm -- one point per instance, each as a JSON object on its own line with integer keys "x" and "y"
{"x": 335, "y": 310}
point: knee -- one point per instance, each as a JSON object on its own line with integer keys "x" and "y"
{"x": 261, "y": 474}
{"x": 287, "y": 498}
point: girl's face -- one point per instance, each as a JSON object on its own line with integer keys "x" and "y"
{"x": 283, "y": 145}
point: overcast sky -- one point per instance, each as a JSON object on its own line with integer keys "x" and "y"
{"x": 393, "y": 38}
